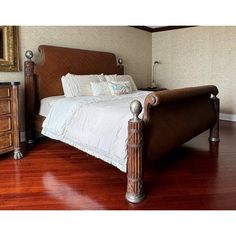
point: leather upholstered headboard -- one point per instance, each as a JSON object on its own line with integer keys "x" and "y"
{"x": 58, "y": 61}
{"x": 44, "y": 79}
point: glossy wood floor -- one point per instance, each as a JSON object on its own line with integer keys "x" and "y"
{"x": 53, "y": 175}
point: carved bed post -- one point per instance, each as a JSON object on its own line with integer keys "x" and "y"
{"x": 29, "y": 96}
{"x": 214, "y": 131}
{"x": 120, "y": 67}
{"x": 135, "y": 192}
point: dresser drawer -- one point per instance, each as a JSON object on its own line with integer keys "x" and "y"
{"x": 5, "y": 123}
{"x": 5, "y": 92}
{"x": 5, "y": 140}
{"x": 5, "y": 107}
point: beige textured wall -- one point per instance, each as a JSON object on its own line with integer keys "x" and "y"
{"x": 132, "y": 45}
{"x": 198, "y": 56}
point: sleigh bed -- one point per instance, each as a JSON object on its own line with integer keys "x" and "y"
{"x": 168, "y": 118}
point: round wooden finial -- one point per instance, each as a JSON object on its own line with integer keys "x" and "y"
{"x": 120, "y": 61}
{"x": 29, "y": 54}
{"x": 136, "y": 108}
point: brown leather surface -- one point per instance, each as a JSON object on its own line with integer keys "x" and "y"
{"x": 166, "y": 96}
{"x": 173, "y": 117}
{"x": 58, "y": 61}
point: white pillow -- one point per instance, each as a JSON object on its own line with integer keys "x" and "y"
{"x": 110, "y": 78}
{"x": 78, "y": 85}
{"x": 100, "y": 88}
{"x": 129, "y": 78}
{"x": 69, "y": 89}
{"x": 115, "y": 78}
{"x": 120, "y": 87}
{"x": 102, "y": 77}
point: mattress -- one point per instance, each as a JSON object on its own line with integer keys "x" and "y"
{"x": 47, "y": 103}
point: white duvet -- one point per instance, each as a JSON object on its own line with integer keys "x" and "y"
{"x": 96, "y": 125}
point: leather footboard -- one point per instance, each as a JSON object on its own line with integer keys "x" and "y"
{"x": 173, "y": 117}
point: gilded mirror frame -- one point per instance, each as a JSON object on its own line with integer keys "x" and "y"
{"x": 9, "y": 49}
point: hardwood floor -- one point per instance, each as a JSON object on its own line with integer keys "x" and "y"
{"x": 53, "y": 175}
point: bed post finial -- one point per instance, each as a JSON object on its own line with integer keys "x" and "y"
{"x": 29, "y": 54}
{"x": 135, "y": 192}
{"x": 120, "y": 61}
{"x": 136, "y": 109}
{"x": 29, "y": 95}
{"x": 120, "y": 67}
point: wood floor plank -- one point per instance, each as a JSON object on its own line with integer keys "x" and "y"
{"x": 53, "y": 175}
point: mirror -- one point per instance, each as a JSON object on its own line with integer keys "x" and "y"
{"x": 9, "y": 54}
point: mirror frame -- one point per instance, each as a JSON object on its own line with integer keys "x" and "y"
{"x": 10, "y": 60}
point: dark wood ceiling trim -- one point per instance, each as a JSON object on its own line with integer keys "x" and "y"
{"x": 143, "y": 28}
{"x": 163, "y": 28}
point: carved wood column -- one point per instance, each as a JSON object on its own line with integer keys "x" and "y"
{"x": 135, "y": 191}
{"x": 214, "y": 131}
{"x": 29, "y": 96}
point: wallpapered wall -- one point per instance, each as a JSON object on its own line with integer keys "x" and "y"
{"x": 189, "y": 57}
{"x": 132, "y": 45}
{"x": 198, "y": 56}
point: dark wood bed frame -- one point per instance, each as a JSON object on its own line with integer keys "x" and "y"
{"x": 171, "y": 117}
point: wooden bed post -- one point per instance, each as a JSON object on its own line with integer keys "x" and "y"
{"x": 29, "y": 96}
{"x": 120, "y": 67}
{"x": 214, "y": 130}
{"x": 135, "y": 192}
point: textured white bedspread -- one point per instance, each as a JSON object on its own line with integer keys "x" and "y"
{"x": 96, "y": 125}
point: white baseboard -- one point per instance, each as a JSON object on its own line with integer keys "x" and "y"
{"x": 22, "y": 136}
{"x": 229, "y": 117}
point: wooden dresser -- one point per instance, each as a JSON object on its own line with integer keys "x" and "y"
{"x": 9, "y": 118}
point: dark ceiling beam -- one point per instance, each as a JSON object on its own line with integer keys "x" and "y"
{"x": 162, "y": 28}
{"x": 145, "y": 28}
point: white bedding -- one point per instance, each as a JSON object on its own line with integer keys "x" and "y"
{"x": 47, "y": 103}
{"x": 97, "y": 125}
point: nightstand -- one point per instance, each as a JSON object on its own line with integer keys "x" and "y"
{"x": 9, "y": 118}
{"x": 156, "y": 89}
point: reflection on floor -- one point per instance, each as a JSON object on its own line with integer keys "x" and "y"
{"x": 53, "y": 175}
{"x": 72, "y": 198}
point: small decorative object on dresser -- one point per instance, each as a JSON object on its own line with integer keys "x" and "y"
{"x": 9, "y": 119}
